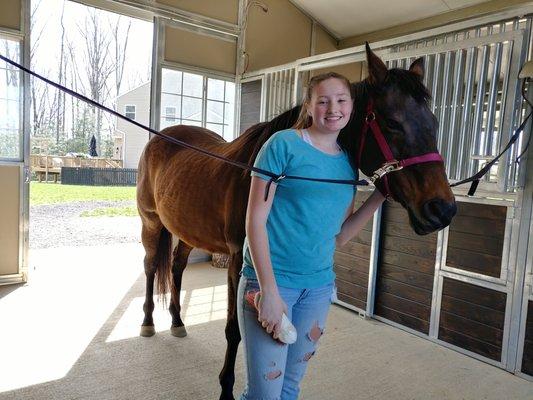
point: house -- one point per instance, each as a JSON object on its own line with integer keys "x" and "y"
{"x": 130, "y": 139}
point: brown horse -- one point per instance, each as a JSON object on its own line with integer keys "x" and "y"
{"x": 203, "y": 201}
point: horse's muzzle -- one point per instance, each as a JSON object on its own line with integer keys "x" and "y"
{"x": 438, "y": 213}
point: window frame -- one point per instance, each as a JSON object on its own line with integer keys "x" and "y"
{"x": 126, "y": 112}
{"x": 227, "y": 125}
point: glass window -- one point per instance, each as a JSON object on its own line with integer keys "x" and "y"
{"x": 130, "y": 111}
{"x": 170, "y": 113}
{"x": 193, "y": 85}
{"x": 215, "y": 89}
{"x": 191, "y": 109}
{"x": 171, "y": 82}
{"x": 193, "y": 99}
{"x": 10, "y": 103}
{"x": 215, "y": 111}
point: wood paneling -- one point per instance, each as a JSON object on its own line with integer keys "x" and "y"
{"x": 10, "y": 14}
{"x": 527, "y": 357}
{"x": 472, "y": 317}
{"x": 352, "y": 262}
{"x": 475, "y": 240}
{"x": 405, "y": 273}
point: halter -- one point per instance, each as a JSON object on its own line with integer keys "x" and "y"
{"x": 391, "y": 164}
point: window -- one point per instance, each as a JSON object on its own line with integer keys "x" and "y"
{"x": 192, "y": 99}
{"x": 170, "y": 114}
{"x": 130, "y": 112}
{"x": 10, "y": 103}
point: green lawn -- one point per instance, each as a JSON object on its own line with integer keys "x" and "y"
{"x": 52, "y": 193}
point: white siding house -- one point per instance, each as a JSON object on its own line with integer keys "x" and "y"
{"x": 134, "y": 104}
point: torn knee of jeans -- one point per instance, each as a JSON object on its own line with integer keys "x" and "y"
{"x": 315, "y": 333}
{"x": 270, "y": 376}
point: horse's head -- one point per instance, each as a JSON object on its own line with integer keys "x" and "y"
{"x": 399, "y": 104}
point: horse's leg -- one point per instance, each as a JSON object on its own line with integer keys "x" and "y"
{"x": 233, "y": 336}
{"x": 150, "y": 239}
{"x": 180, "y": 257}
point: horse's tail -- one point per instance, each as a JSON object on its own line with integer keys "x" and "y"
{"x": 162, "y": 264}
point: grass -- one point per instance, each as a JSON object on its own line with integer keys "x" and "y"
{"x": 52, "y": 193}
{"x": 111, "y": 212}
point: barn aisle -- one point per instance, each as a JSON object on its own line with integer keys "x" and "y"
{"x": 72, "y": 333}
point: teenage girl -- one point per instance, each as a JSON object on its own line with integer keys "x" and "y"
{"x": 291, "y": 238}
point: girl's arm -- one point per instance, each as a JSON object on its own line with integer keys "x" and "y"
{"x": 271, "y": 306}
{"x": 356, "y": 221}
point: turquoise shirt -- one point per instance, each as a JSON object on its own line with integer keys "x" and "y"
{"x": 306, "y": 216}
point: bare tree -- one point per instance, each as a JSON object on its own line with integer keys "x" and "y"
{"x": 98, "y": 64}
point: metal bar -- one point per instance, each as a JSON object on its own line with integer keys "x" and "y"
{"x": 466, "y": 137}
{"x": 512, "y": 110}
{"x": 490, "y": 146}
{"x": 480, "y": 100}
{"x": 455, "y": 112}
{"x": 373, "y": 262}
{"x": 521, "y": 258}
{"x": 435, "y": 82}
{"x": 443, "y": 123}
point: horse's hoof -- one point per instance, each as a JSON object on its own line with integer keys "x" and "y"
{"x": 147, "y": 330}
{"x": 178, "y": 331}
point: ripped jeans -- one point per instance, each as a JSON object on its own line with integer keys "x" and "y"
{"x": 274, "y": 370}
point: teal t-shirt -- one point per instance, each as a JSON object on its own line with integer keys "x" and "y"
{"x": 306, "y": 216}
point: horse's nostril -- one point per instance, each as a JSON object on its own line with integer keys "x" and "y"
{"x": 439, "y": 211}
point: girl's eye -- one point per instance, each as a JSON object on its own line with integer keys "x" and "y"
{"x": 322, "y": 102}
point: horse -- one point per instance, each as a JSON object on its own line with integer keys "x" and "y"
{"x": 203, "y": 201}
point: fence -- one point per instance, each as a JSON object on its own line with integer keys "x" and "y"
{"x": 99, "y": 176}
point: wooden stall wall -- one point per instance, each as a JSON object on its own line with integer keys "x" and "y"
{"x": 405, "y": 272}
{"x": 472, "y": 316}
{"x": 352, "y": 263}
{"x": 475, "y": 239}
{"x": 527, "y": 357}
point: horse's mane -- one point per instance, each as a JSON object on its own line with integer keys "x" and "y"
{"x": 245, "y": 147}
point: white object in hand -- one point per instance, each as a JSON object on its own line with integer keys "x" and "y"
{"x": 287, "y": 331}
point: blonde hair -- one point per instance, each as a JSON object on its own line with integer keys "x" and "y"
{"x": 304, "y": 119}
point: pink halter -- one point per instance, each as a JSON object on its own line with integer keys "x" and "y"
{"x": 390, "y": 164}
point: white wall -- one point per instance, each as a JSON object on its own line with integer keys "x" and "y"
{"x": 135, "y": 138}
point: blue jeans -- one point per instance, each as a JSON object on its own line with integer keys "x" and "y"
{"x": 274, "y": 370}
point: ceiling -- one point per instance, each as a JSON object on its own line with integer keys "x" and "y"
{"x": 345, "y": 18}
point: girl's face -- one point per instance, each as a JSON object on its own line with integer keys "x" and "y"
{"x": 330, "y": 106}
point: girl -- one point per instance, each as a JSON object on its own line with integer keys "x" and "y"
{"x": 291, "y": 238}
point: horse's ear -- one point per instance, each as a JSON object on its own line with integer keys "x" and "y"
{"x": 377, "y": 70}
{"x": 417, "y": 67}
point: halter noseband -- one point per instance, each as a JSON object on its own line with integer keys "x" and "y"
{"x": 390, "y": 164}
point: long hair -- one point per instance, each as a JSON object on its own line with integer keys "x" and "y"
{"x": 304, "y": 119}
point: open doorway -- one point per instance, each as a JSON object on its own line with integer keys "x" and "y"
{"x": 76, "y": 149}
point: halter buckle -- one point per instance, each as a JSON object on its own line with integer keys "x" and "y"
{"x": 389, "y": 166}
{"x": 371, "y": 116}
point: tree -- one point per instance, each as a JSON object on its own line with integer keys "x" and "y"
{"x": 98, "y": 65}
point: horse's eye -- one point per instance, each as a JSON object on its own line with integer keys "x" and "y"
{"x": 394, "y": 125}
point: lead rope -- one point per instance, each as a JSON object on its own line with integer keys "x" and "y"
{"x": 273, "y": 177}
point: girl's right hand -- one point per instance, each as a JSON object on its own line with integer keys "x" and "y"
{"x": 271, "y": 306}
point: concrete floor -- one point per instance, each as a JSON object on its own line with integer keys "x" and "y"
{"x": 72, "y": 333}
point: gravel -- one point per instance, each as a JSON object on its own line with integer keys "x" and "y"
{"x": 59, "y": 225}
